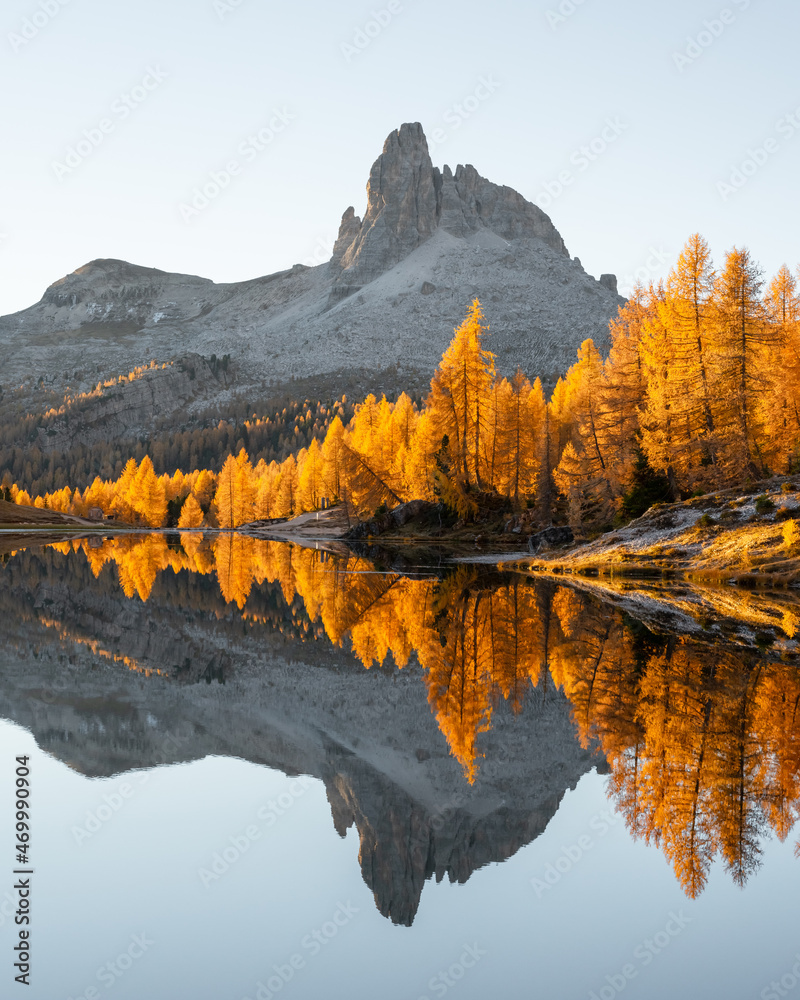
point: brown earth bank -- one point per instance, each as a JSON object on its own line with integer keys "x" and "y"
{"x": 20, "y": 526}
{"x": 35, "y": 519}
{"x": 12, "y": 515}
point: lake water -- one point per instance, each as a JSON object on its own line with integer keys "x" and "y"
{"x": 261, "y": 771}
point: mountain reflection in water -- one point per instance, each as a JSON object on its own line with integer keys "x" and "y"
{"x": 699, "y": 727}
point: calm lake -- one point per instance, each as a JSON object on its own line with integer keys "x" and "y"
{"x": 259, "y": 770}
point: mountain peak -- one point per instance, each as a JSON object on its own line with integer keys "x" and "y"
{"x": 408, "y": 199}
{"x": 409, "y": 135}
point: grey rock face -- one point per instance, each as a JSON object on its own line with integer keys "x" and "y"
{"x": 430, "y": 242}
{"x": 132, "y": 407}
{"x": 408, "y": 199}
{"x": 401, "y": 210}
{"x": 349, "y": 231}
{"x": 609, "y": 281}
{"x": 550, "y": 538}
{"x": 116, "y": 291}
{"x": 468, "y": 202}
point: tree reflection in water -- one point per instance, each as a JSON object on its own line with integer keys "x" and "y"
{"x": 701, "y": 735}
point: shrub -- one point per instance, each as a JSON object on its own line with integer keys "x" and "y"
{"x": 646, "y": 488}
{"x": 787, "y": 487}
{"x": 706, "y": 521}
{"x": 791, "y": 535}
{"x": 764, "y": 505}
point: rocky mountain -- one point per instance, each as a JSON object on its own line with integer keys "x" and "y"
{"x": 380, "y": 312}
{"x": 408, "y": 200}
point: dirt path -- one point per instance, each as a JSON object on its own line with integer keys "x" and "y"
{"x": 14, "y": 515}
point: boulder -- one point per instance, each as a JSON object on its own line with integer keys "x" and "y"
{"x": 550, "y": 538}
{"x": 395, "y": 518}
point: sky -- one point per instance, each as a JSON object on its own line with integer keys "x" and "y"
{"x": 632, "y": 125}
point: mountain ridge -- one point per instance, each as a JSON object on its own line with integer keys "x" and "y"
{"x": 378, "y": 314}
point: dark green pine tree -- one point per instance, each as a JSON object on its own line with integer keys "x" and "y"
{"x": 646, "y": 488}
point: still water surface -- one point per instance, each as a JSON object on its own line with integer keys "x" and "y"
{"x": 261, "y": 771}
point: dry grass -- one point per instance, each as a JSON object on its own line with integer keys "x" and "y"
{"x": 692, "y": 541}
{"x": 14, "y": 515}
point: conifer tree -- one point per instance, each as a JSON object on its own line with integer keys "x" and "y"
{"x": 688, "y": 316}
{"x": 235, "y": 495}
{"x": 585, "y": 472}
{"x": 122, "y": 507}
{"x": 742, "y": 340}
{"x": 286, "y": 500}
{"x": 782, "y": 401}
{"x": 521, "y": 424}
{"x": 147, "y": 495}
{"x": 459, "y": 402}
{"x": 191, "y": 513}
{"x": 311, "y": 478}
{"x": 267, "y": 486}
{"x": 333, "y": 459}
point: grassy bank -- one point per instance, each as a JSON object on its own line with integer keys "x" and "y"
{"x": 734, "y": 536}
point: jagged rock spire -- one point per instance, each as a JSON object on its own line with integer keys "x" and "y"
{"x": 408, "y": 199}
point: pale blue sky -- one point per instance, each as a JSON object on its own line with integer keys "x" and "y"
{"x": 549, "y": 88}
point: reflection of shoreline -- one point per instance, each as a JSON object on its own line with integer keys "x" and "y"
{"x": 695, "y": 712}
{"x": 707, "y": 611}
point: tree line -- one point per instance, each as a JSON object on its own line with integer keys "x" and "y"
{"x": 700, "y": 390}
{"x": 63, "y": 479}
